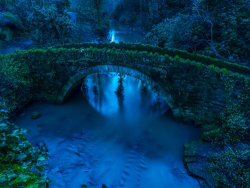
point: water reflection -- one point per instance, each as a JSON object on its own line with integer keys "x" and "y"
{"x": 112, "y": 94}
{"x": 120, "y": 140}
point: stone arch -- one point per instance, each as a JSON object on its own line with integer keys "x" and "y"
{"x": 76, "y": 80}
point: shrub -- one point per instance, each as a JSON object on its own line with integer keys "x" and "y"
{"x": 230, "y": 167}
{"x": 234, "y": 124}
{"x": 175, "y": 32}
{"x": 15, "y": 70}
{"x": 47, "y": 21}
{"x": 21, "y": 165}
{"x": 232, "y": 127}
{"x": 49, "y": 26}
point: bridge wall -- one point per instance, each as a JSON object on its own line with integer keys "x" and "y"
{"x": 195, "y": 92}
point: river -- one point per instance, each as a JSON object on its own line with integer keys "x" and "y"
{"x": 115, "y": 131}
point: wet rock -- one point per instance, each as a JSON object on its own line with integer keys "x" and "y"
{"x": 73, "y": 16}
{"x": 35, "y": 115}
{"x": 7, "y": 19}
{"x": 195, "y": 159}
{"x": 10, "y": 25}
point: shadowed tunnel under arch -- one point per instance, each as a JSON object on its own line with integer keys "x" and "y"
{"x": 76, "y": 80}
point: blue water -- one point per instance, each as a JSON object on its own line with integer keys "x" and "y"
{"x": 139, "y": 99}
{"x": 101, "y": 137}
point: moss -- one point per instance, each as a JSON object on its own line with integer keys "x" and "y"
{"x": 190, "y": 149}
{"x": 15, "y": 70}
{"x": 229, "y": 167}
{"x": 49, "y": 58}
{"x": 211, "y": 135}
{"x": 171, "y": 52}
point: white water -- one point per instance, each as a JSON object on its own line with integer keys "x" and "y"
{"x": 112, "y": 36}
{"x": 119, "y": 33}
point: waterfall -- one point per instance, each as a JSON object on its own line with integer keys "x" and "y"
{"x": 112, "y": 37}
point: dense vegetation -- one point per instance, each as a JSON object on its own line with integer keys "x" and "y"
{"x": 217, "y": 32}
{"x": 229, "y": 163}
{"x": 51, "y": 21}
{"x": 224, "y": 133}
{"x": 21, "y": 164}
{"x": 216, "y": 28}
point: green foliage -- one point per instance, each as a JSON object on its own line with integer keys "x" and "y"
{"x": 46, "y": 21}
{"x": 232, "y": 127}
{"x": 230, "y": 167}
{"x": 91, "y": 18}
{"x": 15, "y": 70}
{"x": 206, "y": 60}
{"x": 210, "y": 132}
{"x": 21, "y": 165}
{"x": 215, "y": 28}
{"x": 234, "y": 124}
{"x": 175, "y": 32}
{"x": 5, "y": 3}
{"x": 49, "y": 25}
{"x": 15, "y": 83}
{"x": 145, "y": 13}
{"x": 98, "y": 6}
{"x": 231, "y": 27}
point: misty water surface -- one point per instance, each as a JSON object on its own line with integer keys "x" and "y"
{"x": 104, "y": 136}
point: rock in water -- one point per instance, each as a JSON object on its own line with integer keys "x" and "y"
{"x": 35, "y": 115}
{"x": 104, "y": 186}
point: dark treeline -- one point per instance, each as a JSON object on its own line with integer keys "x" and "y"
{"x": 217, "y": 28}
{"x": 212, "y": 27}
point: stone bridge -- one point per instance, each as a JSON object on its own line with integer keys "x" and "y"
{"x": 195, "y": 87}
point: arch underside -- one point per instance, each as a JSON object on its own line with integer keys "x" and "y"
{"x": 75, "y": 81}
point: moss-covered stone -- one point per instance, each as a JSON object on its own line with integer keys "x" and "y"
{"x": 198, "y": 91}
{"x": 197, "y": 88}
{"x": 10, "y": 26}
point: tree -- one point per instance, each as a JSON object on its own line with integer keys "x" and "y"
{"x": 98, "y": 6}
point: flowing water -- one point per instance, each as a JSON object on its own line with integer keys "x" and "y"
{"x": 114, "y": 131}
{"x": 119, "y": 33}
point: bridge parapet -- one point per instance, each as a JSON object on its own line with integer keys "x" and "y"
{"x": 206, "y": 60}
{"x": 194, "y": 91}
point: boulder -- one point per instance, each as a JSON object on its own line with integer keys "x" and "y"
{"x": 10, "y": 20}
{"x": 10, "y": 25}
